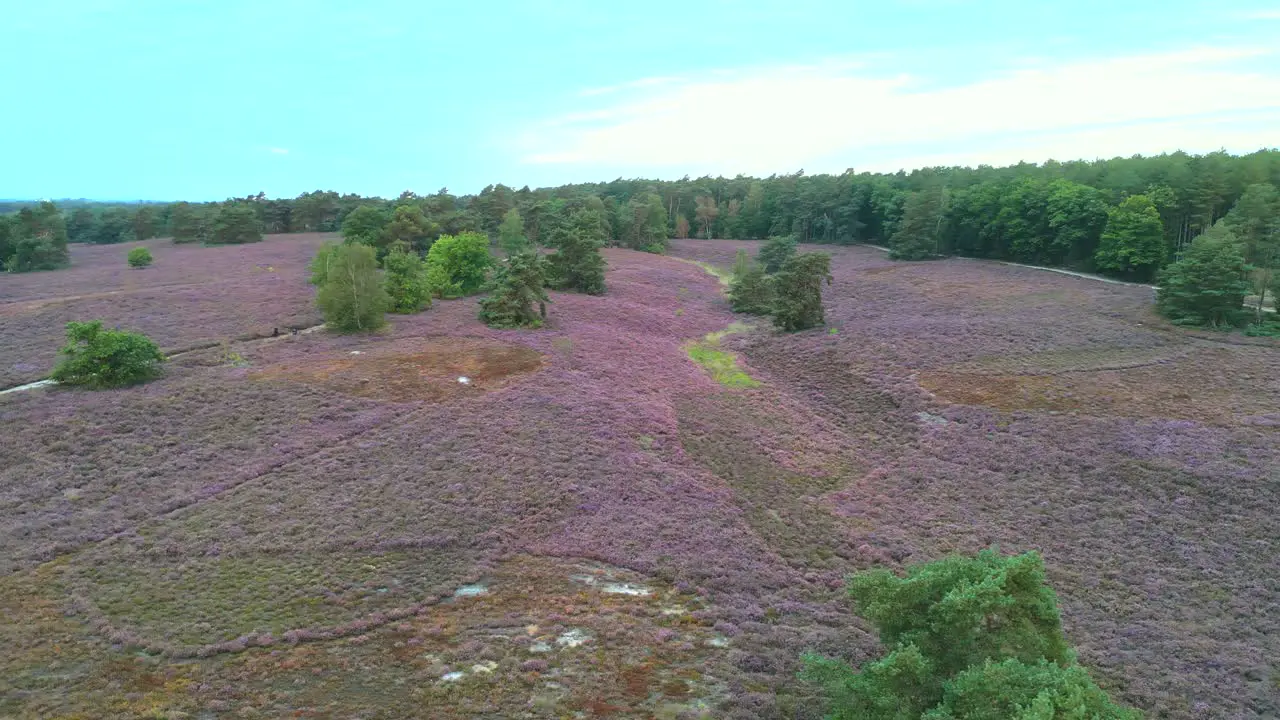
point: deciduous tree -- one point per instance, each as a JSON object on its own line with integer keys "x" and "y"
{"x": 1132, "y": 243}
{"x": 405, "y": 280}
{"x": 351, "y": 296}
{"x": 233, "y": 225}
{"x": 458, "y": 264}
{"x": 98, "y": 358}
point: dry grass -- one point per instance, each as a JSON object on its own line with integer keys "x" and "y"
{"x": 430, "y": 371}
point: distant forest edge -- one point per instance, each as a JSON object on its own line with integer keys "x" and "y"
{"x": 1126, "y": 217}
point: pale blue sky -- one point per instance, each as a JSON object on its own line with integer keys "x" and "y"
{"x": 170, "y": 99}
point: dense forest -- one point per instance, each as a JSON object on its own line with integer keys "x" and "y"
{"x": 1126, "y": 217}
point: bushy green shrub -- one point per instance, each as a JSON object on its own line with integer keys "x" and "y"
{"x": 969, "y": 639}
{"x": 351, "y": 295}
{"x": 98, "y": 358}
{"x": 797, "y": 289}
{"x": 458, "y": 264}
{"x": 517, "y": 297}
{"x": 775, "y": 252}
{"x": 405, "y": 280}
{"x": 139, "y": 257}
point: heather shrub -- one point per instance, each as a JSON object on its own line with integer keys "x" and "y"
{"x": 775, "y": 252}
{"x": 351, "y": 294}
{"x": 797, "y": 288}
{"x": 516, "y": 289}
{"x": 969, "y": 639}
{"x": 458, "y": 264}
{"x": 750, "y": 289}
{"x": 577, "y": 263}
{"x": 1207, "y": 286}
{"x": 405, "y": 280}
{"x": 139, "y": 257}
{"x": 97, "y": 358}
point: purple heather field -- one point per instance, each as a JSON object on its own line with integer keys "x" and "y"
{"x": 593, "y": 526}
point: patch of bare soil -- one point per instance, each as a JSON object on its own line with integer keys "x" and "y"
{"x": 439, "y": 369}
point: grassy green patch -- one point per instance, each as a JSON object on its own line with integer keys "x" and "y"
{"x": 722, "y": 364}
{"x": 724, "y": 275}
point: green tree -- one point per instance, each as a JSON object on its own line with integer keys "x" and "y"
{"x": 511, "y": 233}
{"x": 706, "y": 211}
{"x": 1207, "y": 286}
{"x": 365, "y": 225}
{"x": 97, "y": 358}
{"x": 235, "y": 224}
{"x": 144, "y": 223}
{"x": 577, "y": 263}
{"x": 797, "y": 288}
{"x": 114, "y": 226}
{"x": 139, "y": 257}
{"x": 775, "y": 252}
{"x": 516, "y": 289}
{"x": 82, "y": 227}
{"x": 919, "y": 233}
{"x": 458, "y": 264}
{"x": 750, "y": 289}
{"x": 405, "y": 280}
{"x": 351, "y": 296}
{"x": 968, "y": 639}
{"x": 1133, "y": 242}
{"x": 186, "y": 224}
{"x": 1077, "y": 215}
{"x": 6, "y": 241}
{"x": 37, "y": 240}
{"x": 1255, "y": 220}
{"x": 408, "y": 228}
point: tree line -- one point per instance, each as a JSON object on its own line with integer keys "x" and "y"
{"x": 1126, "y": 217}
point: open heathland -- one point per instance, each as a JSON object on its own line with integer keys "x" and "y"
{"x": 645, "y": 508}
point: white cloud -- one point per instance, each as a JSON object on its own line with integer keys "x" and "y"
{"x": 832, "y": 116}
{"x": 279, "y": 151}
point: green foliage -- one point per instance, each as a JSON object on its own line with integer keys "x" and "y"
{"x": 405, "y": 280}
{"x": 319, "y": 266}
{"x": 969, "y": 639}
{"x": 1207, "y": 286}
{"x": 351, "y": 295}
{"x": 775, "y": 252}
{"x": 365, "y": 225}
{"x": 577, "y": 264}
{"x": 186, "y": 224}
{"x": 919, "y": 233}
{"x": 1017, "y": 690}
{"x": 82, "y": 226}
{"x": 139, "y": 257}
{"x": 644, "y": 223}
{"x": 722, "y": 365}
{"x": 97, "y": 358}
{"x": 35, "y": 239}
{"x": 797, "y": 287}
{"x": 114, "y": 226}
{"x": 511, "y": 233}
{"x": 408, "y": 228}
{"x": 233, "y": 225}
{"x": 1132, "y": 243}
{"x": 458, "y": 264}
{"x": 144, "y": 223}
{"x": 750, "y": 289}
{"x": 516, "y": 288}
